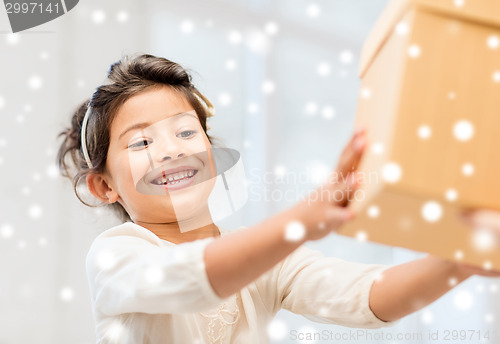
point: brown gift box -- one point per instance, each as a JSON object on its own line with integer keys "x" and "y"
{"x": 430, "y": 100}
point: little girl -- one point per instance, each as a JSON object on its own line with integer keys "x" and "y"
{"x": 165, "y": 276}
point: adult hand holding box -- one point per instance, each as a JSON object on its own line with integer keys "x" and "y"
{"x": 430, "y": 99}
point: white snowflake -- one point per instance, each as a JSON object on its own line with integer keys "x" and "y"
{"x": 98, "y": 16}
{"x": 451, "y": 195}
{"x": 377, "y": 148}
{"x": 496, "y": 76}
{"x": 295, "y": 231}
{"x": 373, "y": 211}
{"x": 366, "y": 93}
{"x": 427, "y": 317}
{"x": 424, "y": 132}
{"x": 268, "y": 87}
{"x": 323, "y": 69}
{"x": 44, "y": 55}
{"x": 122, "y": 16}
{"x": 258, "y": 42}
{"x": 328, "y": 112}
{"x": 187, "y": 26}
{"x": 235, "y": 37}
{"x": 105, "y": 260}
{"x": 414, "y": 51}
{"x": 493, "y": 42}
{"x": 402, "y": 29}
{"x": 463, "y": 130}
{"x": 484, "y": 239}
{"x": 230, "y": 64}
{"x": 463, "y": 300}
{"x": 361, "y": 236}
{"x": 346, "y": 57}
{"x": 313, "y": 10}
{"x": 35, "y": 211}
{"x": 153, "y": 275}
{"x": 277, "y": 330}
{"x": 271, "y": 28}
{"x": 35, "y": 82}
{"x": 52, "y": 171}
{"x": 432, "y": 211}
{"x": 7, "y": 231}
{"x": 391, "y": 172}
{"x": 224, "y": 99}
{"x": 279, "y": 170}
{"x": 311, "y": 108}
{"x": 253, "y": 108}
{"x": 468, "y": 169}
{"x": 453, "y": 281}
{"x": 66, "y": 294}
{"x": 12, "y": 38}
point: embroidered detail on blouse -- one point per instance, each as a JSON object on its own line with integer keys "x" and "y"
{"x": 220, "y": 319}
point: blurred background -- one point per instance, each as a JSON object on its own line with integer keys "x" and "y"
{"x": 283, "y": 75}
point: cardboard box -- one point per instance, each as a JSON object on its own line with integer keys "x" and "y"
{"x": 430, "y": 99}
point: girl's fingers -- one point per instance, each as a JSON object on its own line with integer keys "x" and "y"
{"x": 352, "y": 153}
{"x": 337, "y": 216}
{"x": 345, "y": 189}
{"x": 482, "y": 218}
{"x": 473, "y": 270}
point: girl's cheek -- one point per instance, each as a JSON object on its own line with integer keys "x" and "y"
{"x": 137, "y": 164}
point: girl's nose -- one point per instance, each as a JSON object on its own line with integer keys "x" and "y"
{"x": 167, "y": 157}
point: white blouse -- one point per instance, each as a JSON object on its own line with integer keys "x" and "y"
{"x": 148, "y": 290}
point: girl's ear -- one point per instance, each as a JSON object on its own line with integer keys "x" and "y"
{"x": 100, "y": 188}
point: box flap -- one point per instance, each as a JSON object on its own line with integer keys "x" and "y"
{"x": 381, "y": 31}
{"x": 483, "y": 11}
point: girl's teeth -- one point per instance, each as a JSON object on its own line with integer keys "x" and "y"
{"x": 175, "y": 179}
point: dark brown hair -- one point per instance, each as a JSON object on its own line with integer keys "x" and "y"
{"x": 126, "y": 78}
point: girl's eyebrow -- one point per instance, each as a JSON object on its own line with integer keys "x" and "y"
{"x": 143, "y": 125}
{"x": 135, "y": 126}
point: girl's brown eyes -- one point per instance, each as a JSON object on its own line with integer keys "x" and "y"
{"x": 140, "y": 144}
{"x": 186, "y": 134}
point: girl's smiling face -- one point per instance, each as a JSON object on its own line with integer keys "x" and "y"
{"x": 153, "y": 132}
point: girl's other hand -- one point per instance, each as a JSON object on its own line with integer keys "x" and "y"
{"x": 484, "y": 220}
{"x": 328, "y": 203}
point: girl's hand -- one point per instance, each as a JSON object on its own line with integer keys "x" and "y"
{"x": 328, "y": 203}
{"x": 470, "y": 270}
{"x": 481, "y": 219}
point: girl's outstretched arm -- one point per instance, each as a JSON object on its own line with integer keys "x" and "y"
{"x": 235, "y": 260}
{"x": 406, "y": 288}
